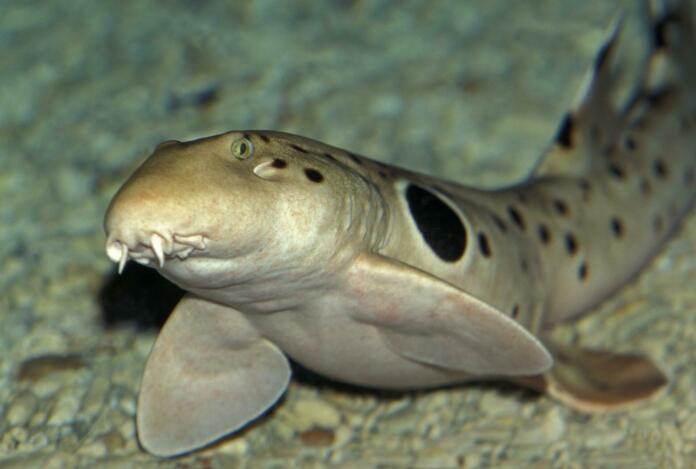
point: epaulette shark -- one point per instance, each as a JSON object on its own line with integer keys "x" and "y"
{"x": 382, "y": 277}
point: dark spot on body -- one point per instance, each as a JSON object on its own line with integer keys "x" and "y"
{"x": 484, "y": 246}
{"x": 571, "y": 244}
{"x": 354, "y": 158}
{"x": 564, "y": 134}
{"x": 544, "y": 234}
{"x": 516, "y": 217}
{"x": 524, "y": 265}
{"x": 689, "y": 176}
{"x": 313, "y": 175}
{"x": 560, "y": 206}
{"x": 658, "y": 35}
{"x": 660, "y": 169}
{"x": 582, "y": 271}
{"x": 330, "y": 156}
{"x": 659, "y": 32}
{"x": 515, "y": 311}
{"x": 616, "y": 227}
{"x": 615, "y": 170}
{"x": 298, "y": 148}
{"x": 264, "y": 138}
{"x": 382, "y": 174}
{"x": 499, "y": 223}
{"x": 246, "y": 136}
{"x": 522, "y": 197}
{"x": 438, "y": 224}
{"x": 279, "y": 163}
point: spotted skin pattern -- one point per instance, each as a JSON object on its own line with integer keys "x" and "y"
{"x": 382, "y": 277}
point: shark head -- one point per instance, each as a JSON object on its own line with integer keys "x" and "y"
{"x": 225, "y": 209}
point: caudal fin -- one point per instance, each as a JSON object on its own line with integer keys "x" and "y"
{"x": 591, "y": 128}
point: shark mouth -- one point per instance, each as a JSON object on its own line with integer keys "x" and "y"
{"x": 157, "y": 248}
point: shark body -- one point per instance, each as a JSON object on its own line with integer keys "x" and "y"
{"x": 381, "y": 277}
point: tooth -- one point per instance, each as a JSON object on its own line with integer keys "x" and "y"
{"x": 124, "y": 258}
{"x": 196, "y": 241}
{"x": 113, "y": 250}
{"x": 156, "y": 243}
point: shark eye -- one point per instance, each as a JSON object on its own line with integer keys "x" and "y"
{"x": 242, "y": 148}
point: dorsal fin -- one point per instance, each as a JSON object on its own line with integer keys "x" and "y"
{"x": 589, "y": 131}
{"x": 591, "y": 122}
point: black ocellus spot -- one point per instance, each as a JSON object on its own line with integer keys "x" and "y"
{"x": 438, "y": 224}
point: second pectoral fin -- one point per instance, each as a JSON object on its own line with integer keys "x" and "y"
{"x": 209, "y": 373}
{"x": 428, "y": 320}
{"x": 597, "y": 380}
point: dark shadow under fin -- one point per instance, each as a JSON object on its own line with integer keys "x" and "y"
{"x": 597, "y": 380}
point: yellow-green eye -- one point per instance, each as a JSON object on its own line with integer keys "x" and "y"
{"x": 242, "y": 148}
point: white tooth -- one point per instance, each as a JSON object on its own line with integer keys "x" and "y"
{"x": 124, "y": 258}
{"x": 196, "y": 241}
{"x": 114, "y": 250}
{"x": 156, "y": 243}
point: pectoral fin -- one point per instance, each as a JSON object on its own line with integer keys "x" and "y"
{"x": 209, "y": 374}
{"x": 597, "y": 380}
{"x": 430, "y": 321}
